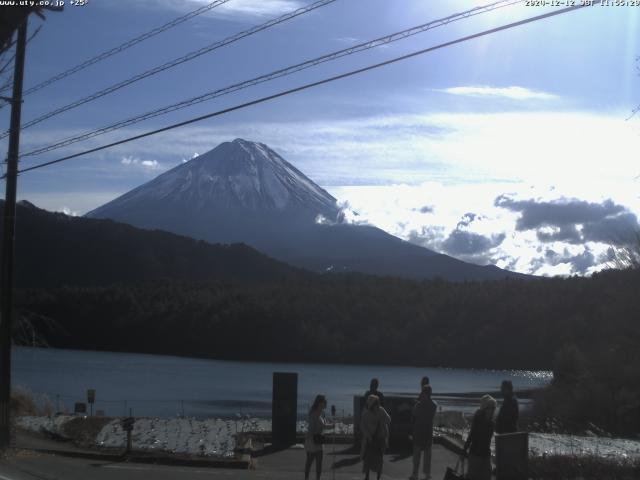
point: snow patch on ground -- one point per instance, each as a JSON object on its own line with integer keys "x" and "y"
{"x": 563, "y": 444}
{"x": 211, "y": 437}
{"x": 217, "y": 437}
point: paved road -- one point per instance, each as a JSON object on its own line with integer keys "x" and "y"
{"x": 282, "y": 465}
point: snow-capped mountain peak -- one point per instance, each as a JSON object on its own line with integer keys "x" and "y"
{"x": 241, "y": 175}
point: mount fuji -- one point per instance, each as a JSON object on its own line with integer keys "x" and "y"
{"x": 244, "y": 192}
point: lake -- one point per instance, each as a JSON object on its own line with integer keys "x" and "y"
{"x": 167, "y": 386}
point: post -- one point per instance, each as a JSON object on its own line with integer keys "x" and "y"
{"x": 8, "y": 239}
{"x": 129, "y": 430}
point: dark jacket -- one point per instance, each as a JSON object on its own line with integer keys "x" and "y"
{"x": 507, "y": 420}
{"x": 479, "y": 440}
{"x": 422, "y": 419}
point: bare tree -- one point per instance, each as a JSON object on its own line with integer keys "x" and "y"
{"x": 626, "y": 255}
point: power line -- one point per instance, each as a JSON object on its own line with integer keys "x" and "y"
{"x": 313, "y": 84}
{"x": 177, "y": 61}
{"x": 275, "y": 74}
{"x": 9, "y": 83}
{"x": 125, "y": 45}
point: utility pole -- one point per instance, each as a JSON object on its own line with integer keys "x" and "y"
{"x": 8, "y": 240}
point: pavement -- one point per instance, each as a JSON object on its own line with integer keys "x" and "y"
{"x": 36, "y": 458}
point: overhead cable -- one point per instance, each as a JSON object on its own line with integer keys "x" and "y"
{"x": 124, "y": 46}
{"x": 313, "y": 84}
{"x": 275, "y": 74}
{"x": 176, "y": 61}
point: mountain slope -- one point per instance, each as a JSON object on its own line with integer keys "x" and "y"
{"x": 243, "y": 191}
{"x": 53, "y": 249}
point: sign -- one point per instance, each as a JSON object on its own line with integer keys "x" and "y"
{"x": 91, "y": 396}
{"x": 127, "y": 423}
{"x": 512, "y": 456}
{"x": 284, "y": 408}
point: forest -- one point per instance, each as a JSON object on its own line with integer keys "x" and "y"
{"x": 348, "y": 318}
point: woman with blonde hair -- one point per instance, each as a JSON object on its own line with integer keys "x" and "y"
{"x": 375, "y": 435}
{"x": 478, "y": 444}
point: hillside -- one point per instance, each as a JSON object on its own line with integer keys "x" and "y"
{"x": 53, "y": 249}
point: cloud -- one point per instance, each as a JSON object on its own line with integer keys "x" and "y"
{"x": 150, "y": 164}
{"x": 68, "y": 211}
{"x": 572, "y": 220}
{"x": 462, "y": 243}
{"x": 255, "y": 8}
{"x": 536, "y": 147}
{"x": 235, "y": 8}
{"x": 145, "y": 164}
{"x": 470, "y": 245}
{"x": 579, "y": 263}
{"x": 513, "y": 93}
{"x": 348, "y": 40}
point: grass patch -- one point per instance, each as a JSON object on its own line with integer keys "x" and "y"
{"x": 84, "y": 430}
{"x": 23, "y": 403}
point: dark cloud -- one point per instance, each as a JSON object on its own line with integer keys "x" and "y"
{"x": 572, "y": 221}
{"x": 557, "y": 213}
{"x": 461, "y": 242}
{"x": 470, "y": 246}
{"x": 427, "y": 209}
{"x": 567, "y": 233}
{"x": 467, "y": 219}
{"x": 429, "y": 236}
{"x": 580, "y": 263}
{"x": 614, "y": 230}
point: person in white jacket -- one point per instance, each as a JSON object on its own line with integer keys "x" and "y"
{"x": 314, "y": 438}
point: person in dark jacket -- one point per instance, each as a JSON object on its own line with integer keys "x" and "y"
{"x": 373, "y": 390}
{"x": 478, "y": 444}
{"x": 507, "y": 419}
{"x": 423, "y": 414}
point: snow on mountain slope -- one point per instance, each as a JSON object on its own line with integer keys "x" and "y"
{"x": 239, "y": 174}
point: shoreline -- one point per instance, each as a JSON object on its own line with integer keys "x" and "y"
{"x": 546, "y": 371}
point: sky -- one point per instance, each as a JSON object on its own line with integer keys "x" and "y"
{"x": 515, "y": 149}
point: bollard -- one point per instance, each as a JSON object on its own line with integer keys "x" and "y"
{"x": 127, "y": 426}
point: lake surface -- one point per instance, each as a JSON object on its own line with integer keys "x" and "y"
{"x": 166, "y": 386}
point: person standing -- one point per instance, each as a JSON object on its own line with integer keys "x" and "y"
{"x": 375, "y": 435}
{"x": 373, "y": 390}
{"x": 315, "y": 438}
{"x": 507, "y": 419}
{"x": 478, "y": 444}
{"x": 423, "y": 414}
